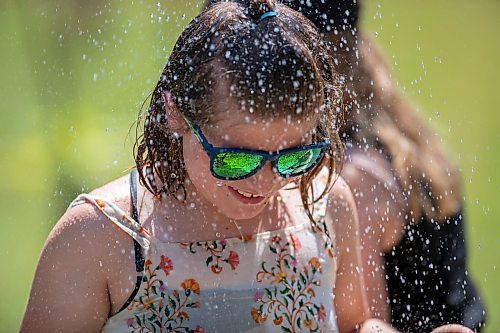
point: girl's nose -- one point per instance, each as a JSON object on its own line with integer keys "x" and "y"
{"x": 266, "y": 179}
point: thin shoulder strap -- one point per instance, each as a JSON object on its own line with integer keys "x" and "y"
{"x": 139, "y": 258}
{"x": 133, "y": 195}
{"x": 120, "y": 218}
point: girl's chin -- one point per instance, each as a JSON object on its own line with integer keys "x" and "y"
{"x": 242, "y": 212}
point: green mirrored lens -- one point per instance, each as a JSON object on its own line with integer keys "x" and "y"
{"x": 297, "y": 162}
{"x": 234, "y": 165}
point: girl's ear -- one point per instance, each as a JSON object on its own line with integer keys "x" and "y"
{"x": 174, "y": 117}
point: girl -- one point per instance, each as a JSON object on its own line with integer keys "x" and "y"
{"x": 231, "y": 227}
{"x": 406, "y": 189}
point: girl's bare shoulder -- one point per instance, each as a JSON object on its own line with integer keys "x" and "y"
{"x": 116, "y": 191}
{"x": 84, "y": 229}
{"x": 83, "y": 256}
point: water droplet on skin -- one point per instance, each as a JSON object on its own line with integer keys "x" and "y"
{"x": 217, "y": 234}
{"x": 219, "y": 184}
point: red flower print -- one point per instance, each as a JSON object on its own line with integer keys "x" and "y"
{"x": 321, "y": 313}
{"x": 147, "y": 264}
{"x": 258, "y": 317}
{"x": 191, "y": 284}
{"x": 276, "y": 239}
{"x": 314, "y": 262}
{"x": 130, "y": 322}
{"x": 166, "y": 265}
{"x": 218, "y": 253}
{"x": 216, "y": 269}
{"x": 295, "y": 242}
{"x": 183, "y": 315}
{"x": 311, "y": 292}
{"x": 199, "y": 329}
{"x": 278, "y": 321}
{"x": 233, "y": 260}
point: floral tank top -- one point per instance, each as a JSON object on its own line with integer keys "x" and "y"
{"x": 278, "y": 281}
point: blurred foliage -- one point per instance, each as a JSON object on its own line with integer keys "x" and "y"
{"x": 75, "y": 73}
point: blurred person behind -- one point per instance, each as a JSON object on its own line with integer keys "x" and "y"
{"x": 407, "y": 189}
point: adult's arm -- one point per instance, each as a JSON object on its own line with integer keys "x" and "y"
{"x": 381, "y": 213}
{"x": 351, "y": 306}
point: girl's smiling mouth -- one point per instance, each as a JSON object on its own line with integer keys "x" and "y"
{"x": 245, "y": 197}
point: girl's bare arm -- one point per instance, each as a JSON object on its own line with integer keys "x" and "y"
{"x": 69, "y": 291}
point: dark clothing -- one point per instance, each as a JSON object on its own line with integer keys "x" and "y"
{"x": 328, "y": 15}
{"x": 427, "y": 278}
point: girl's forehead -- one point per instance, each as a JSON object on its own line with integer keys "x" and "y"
{"x": 243, "y": 130}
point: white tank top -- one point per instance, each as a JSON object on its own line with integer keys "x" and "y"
{"x": 274, "y": 281}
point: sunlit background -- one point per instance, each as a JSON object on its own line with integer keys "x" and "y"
{"x": 75, "y": 73}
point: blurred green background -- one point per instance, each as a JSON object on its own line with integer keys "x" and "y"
{"x": 74, "y": 74}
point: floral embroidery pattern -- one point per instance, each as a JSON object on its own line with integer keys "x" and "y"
{"x": 159, "y": 309}
{"x": 217, "y": 257}
{"x": 290, "y": 298}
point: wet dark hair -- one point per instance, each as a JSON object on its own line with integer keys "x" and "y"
{"x": 274, "y": 67}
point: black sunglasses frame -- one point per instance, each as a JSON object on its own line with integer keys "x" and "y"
{"x": 273, "y": 157}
